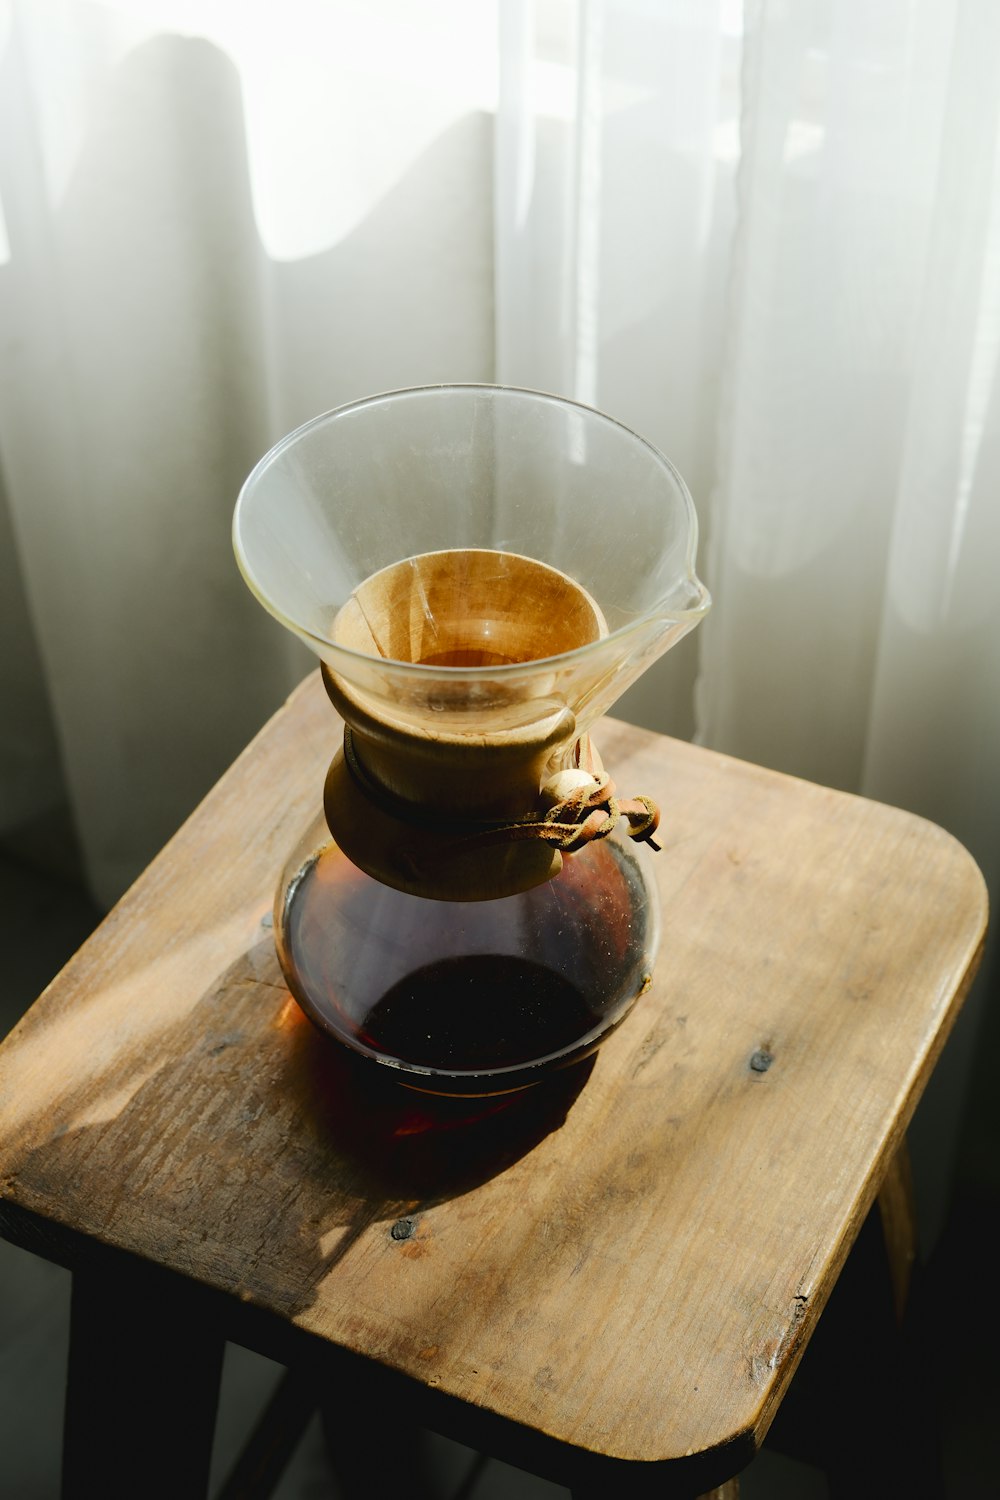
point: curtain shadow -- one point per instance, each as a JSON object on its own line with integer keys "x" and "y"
{"x": 156, "y": 351}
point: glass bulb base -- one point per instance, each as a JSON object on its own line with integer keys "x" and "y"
{"x": 468, "y": 998}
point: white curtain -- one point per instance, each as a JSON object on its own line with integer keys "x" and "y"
{"x": 221, "y": 219}
{"x": 767, "y": 235}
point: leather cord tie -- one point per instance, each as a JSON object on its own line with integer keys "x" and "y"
{"x": 581, "y": 805}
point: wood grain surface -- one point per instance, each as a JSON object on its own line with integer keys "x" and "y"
{"x": 629, "y": 1260}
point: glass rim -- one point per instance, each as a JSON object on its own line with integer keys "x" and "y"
{"x": 506, "y": 670}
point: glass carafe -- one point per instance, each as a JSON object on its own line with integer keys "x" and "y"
{"x": 481, "y": 571}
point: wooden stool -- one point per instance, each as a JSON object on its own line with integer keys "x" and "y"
{"x": 609, "y": 1281}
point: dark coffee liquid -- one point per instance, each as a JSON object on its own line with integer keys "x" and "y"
{"x": 466, "y": 656}
{"x": 474, "y": 993}
{"x": 480, "y": 1012}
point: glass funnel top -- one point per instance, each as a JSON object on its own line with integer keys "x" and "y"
{"x": 472, "y": 470}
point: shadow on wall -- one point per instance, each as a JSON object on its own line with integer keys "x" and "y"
{"x": 166, "y": 354}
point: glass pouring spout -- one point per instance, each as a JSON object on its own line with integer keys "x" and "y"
{"x": 482, "y": 572}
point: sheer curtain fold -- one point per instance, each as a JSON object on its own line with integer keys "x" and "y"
{"x": 855, "y": 516}
{"x": 617, "y": 141}
{"x": 766, "y": 235}
{"x": 169, "y": 307}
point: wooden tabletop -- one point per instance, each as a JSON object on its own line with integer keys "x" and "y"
{"x": 629, "y": 1262}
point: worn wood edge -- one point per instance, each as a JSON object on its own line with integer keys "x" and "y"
{"x": 881, "y": 1168}
{"x": 275, "y": 1337}
{"x": 750, "y": 1438}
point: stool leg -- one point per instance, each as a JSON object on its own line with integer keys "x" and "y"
{"x": 859, "y": 1406}
{"x": 374, "y": 1451}
{"x": 898, "y": 1214}
{"x": 269, "y": 1449}
{"x": 728, "y": 1491}
{"x": 141, "y": 1393}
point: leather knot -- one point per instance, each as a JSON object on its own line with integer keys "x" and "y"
{"x": 578, "y": 805}
{"x": 591, "y": 809}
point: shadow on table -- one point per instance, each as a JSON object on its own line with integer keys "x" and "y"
{"x": 413, "y": 1145}
{"x": 252, "y": 1152}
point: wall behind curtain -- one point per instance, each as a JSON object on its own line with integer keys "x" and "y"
{"x": 767, "y": 235}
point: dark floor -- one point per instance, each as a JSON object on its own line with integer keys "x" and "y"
{"x": 953, "y": 1339}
